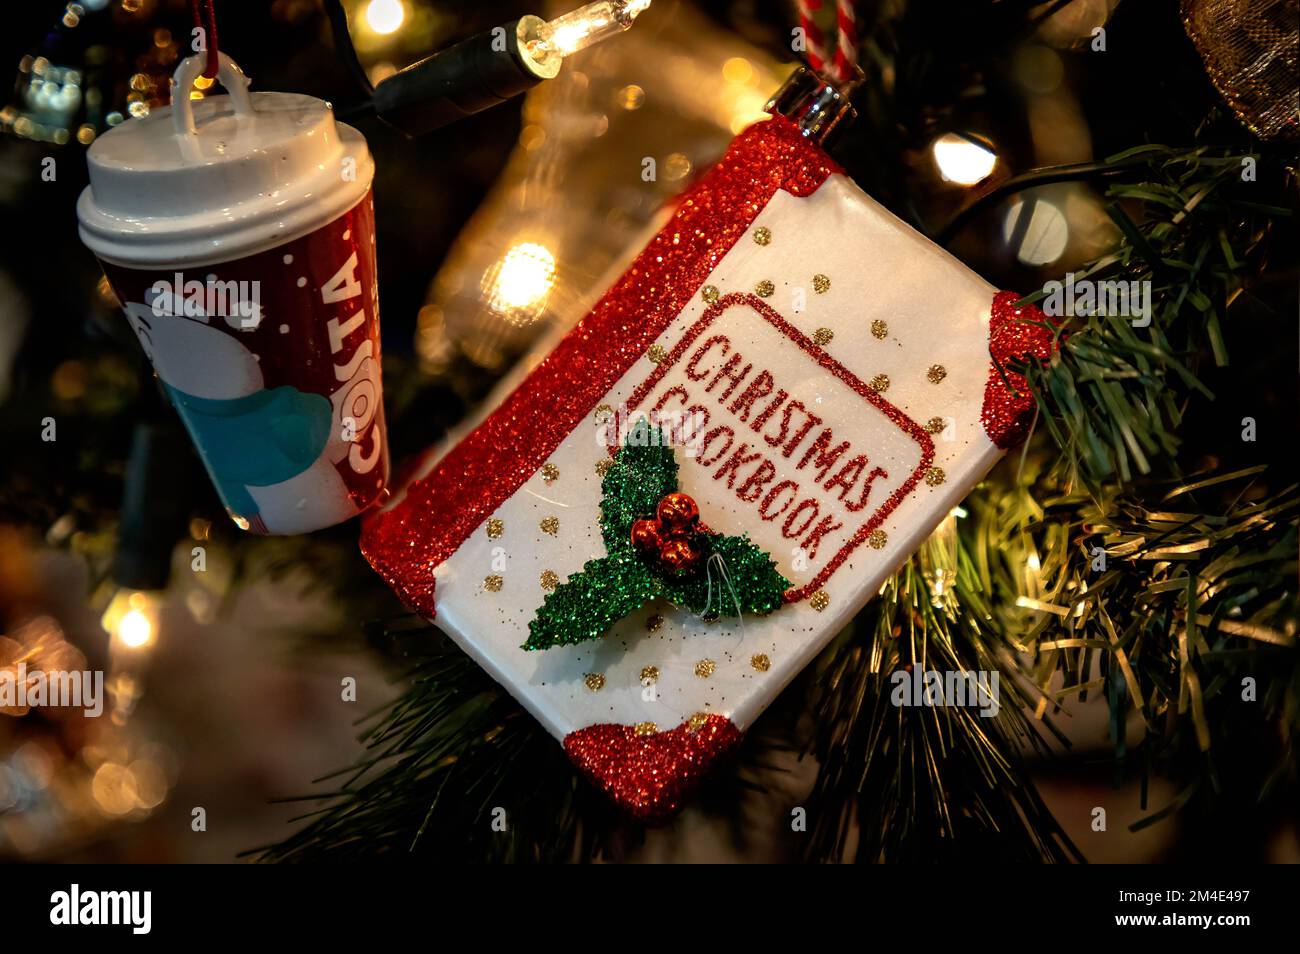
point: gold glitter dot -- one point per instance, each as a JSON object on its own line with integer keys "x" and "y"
{"x": 823, "y": 336}
{"x": 495, "y": 528}
{"x": 819, "y": 600}
{"x": 935, "y": 425}
{"x": 656, "y": 353}
{"x": 936, "y": 373}
{"x": 649, "y": 674}
{"x": 602, "y": 466}
{"x": 549, "y": 580}
{"x": 877, "y": 539}
{"x": 493, "y": 583}
{"x": 603, "y": 413}
{"x": 705, "y": 667}
{"x": 935, "y": 476}
{"x": 821, "y": 284}
{"x": 645, "y": 728}
{"x": 709, "y": 293}
{"x": 879, "y": 384}
{"x": 698, "y": 721}
{"x": 550, "y": 525}
{"x": 550, "y": 473}
{"x": 764, "y": 289}
{"x": 879, "y": 329}
{"x": 653, "y": 622}
{"x": 595, "y": 681}
{"x": 762, "y": 235}
{"x": 760, "y": 662}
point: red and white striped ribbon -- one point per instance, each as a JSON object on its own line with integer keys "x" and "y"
{"x": 846, "y": 49}
{"x": 814, "y": 49}
{"x": 838, "y": 66}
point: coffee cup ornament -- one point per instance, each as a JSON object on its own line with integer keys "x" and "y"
{"x": 238, "y": 233}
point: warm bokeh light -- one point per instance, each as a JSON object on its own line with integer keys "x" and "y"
{"x": 963, "y": 160}
{"x": 113, "y": 788}
{"x": 631, "y": 97}
{"x": 131, "y": 620}
{"x": 737, "y": 70}
{"x": 677, "y": 166}
{"x": 385, "y": 16}
{"x": 520, "y": 284}
{"x": 135, "y": 630}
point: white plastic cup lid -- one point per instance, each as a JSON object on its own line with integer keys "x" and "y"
{"x": 206, "y": 181}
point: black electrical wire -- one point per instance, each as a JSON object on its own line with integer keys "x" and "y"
{"x": 338, "y": 18}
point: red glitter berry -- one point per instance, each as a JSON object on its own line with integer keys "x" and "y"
{"x": 646, "y": 536}
{"x": 679, "y": 555}
{"x": 678, "y": 513}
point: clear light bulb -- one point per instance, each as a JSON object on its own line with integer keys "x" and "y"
{"x": 580, "y": 28}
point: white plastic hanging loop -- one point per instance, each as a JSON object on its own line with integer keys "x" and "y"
{"x": 231, "y": 77}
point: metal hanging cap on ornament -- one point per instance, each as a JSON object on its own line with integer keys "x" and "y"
{"x": 815, "y": 106}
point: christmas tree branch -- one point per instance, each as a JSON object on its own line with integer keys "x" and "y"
{"x": 1184, "y": 611}
{"x": 923, "y": 779}
{"x": 1112, "y": 399}
{"x": 1183, "y": 614}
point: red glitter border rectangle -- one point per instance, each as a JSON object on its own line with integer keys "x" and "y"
{"x": 819, "y": 355}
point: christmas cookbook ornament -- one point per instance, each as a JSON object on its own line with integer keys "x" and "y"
{"x": 238, "y": 233}
{"x": 763, "y": 417}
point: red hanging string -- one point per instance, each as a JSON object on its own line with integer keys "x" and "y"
{"x": 210, "y": 28}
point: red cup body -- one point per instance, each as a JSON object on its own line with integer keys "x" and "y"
{"x": 272, "y": 361}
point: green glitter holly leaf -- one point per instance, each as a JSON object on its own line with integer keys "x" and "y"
{"x": 642, "y": 474}
{"x": 734, "y": 576}
{"x": 738, "y": 577}
{"x": 588, "y": 603}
